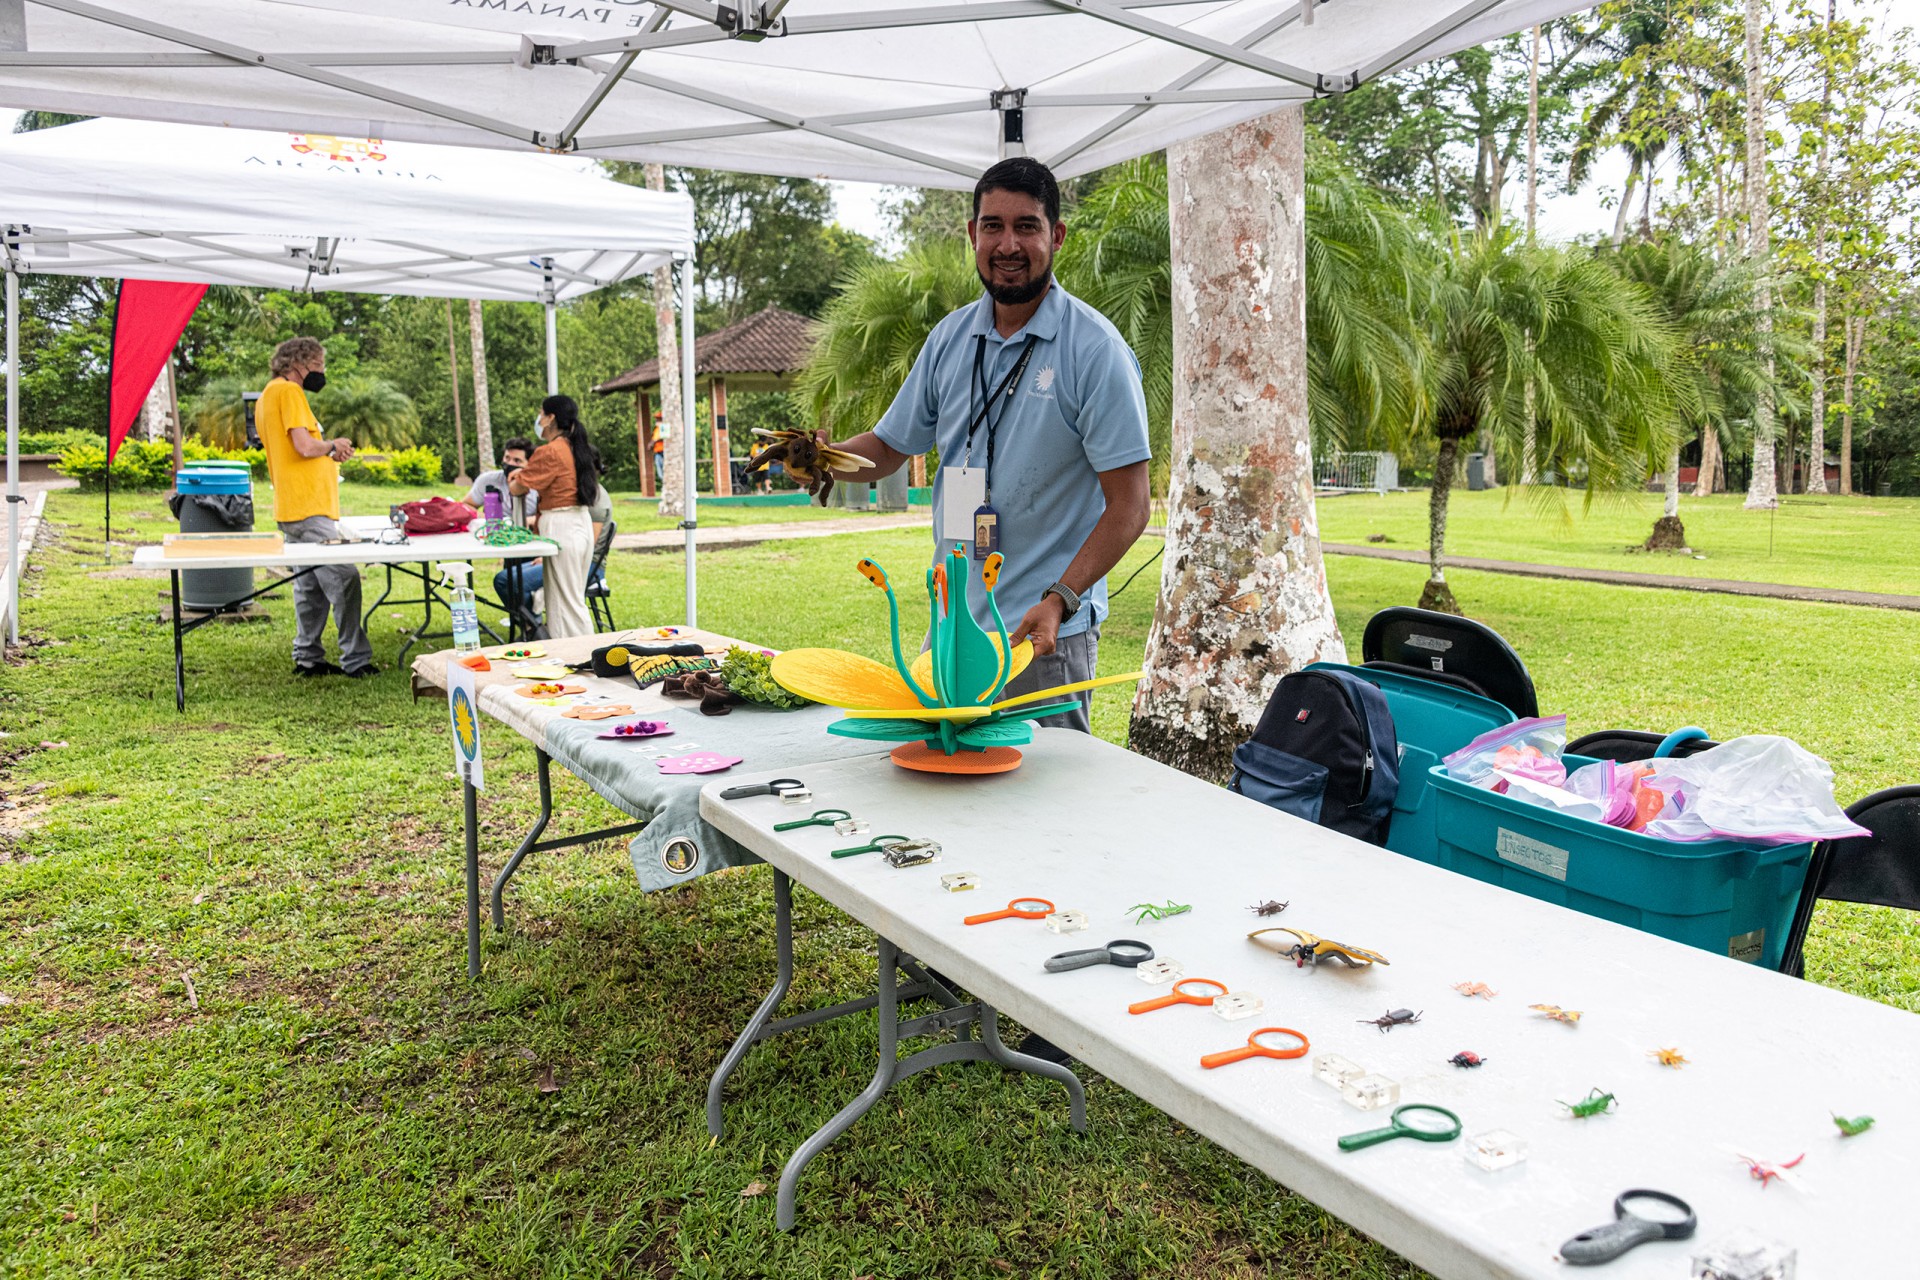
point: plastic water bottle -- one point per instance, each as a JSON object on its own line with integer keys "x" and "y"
{"x": 466, "y": 614}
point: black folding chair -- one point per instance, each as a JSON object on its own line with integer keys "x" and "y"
{"x": 1624, "y": 746}
{"x": 1881, "y": 870}
{"x": 599, "y": 594}
{"x": 1449, "y": 649}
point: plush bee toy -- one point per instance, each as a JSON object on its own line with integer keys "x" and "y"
{"x": 807, "y": 460}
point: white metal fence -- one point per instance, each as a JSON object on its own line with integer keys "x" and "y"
{"x": 1357, "y": 473}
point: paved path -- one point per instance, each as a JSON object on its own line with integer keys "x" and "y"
{"x": 1624, "y": 578}
{"x": 743, "y": 535}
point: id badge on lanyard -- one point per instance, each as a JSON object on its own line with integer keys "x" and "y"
{"x": 965, "y": 512}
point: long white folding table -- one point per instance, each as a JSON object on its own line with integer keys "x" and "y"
{"x": 298, "y": 559}
{"x": 1094, "y": 828}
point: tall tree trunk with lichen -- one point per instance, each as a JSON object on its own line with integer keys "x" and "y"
{"x": 1529, "y": 444}
{"x": 1703, "y": 483}
{"x": 482, "y": 422}
{"x": 1669, "y": 534}
{"x": 1762, "y": 491}
{"x": 1243, "y": 590}
{"x": 666, "y": 330}
{"x": 1817, "y": 361}
{"x": 1855, "y": 326}
{"x": 1437, "y": 594}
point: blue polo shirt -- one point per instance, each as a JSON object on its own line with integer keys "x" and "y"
{"x": 1078, "y": 411}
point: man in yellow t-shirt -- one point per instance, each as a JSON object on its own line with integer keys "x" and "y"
{"x": 304, "y": 467}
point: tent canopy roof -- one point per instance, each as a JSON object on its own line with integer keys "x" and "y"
{"x": 312, "y": 211}
{"x": 902, "y": 91}
{"x": 770, "y": 345}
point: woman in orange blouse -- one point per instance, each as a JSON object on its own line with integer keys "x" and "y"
{"x": 565, "y": 472}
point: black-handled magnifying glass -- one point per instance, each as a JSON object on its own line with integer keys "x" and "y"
{"x": 1124, "y": 952}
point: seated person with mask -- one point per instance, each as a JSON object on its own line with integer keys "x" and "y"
{"x": 513, "y": 456}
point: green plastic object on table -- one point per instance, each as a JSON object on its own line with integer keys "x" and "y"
{"x": 511, "y": 535}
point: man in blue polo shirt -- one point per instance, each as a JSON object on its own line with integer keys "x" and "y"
{"x": 1034, "y": 402}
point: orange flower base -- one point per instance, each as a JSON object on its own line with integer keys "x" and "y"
{"x": 918, "y": 755}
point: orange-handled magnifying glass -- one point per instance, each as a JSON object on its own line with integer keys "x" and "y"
{"x": 1267, "y": 1042}
{"x": 1187, "y": 991}
{"x": 1019, "y": 908}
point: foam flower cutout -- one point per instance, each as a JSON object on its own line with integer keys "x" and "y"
{"x": 949, "y": 696}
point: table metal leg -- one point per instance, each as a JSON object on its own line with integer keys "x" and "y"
{"x": 366, "y": 618}
{"x": 179, "y": 650}
{"x": 469, "y": 806}
{"x": 532, "y": 841}
{"x": 892, "y": 1068}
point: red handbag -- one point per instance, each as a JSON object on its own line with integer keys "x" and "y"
{"x": 436, "y": 515}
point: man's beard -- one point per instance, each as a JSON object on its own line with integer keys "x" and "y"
{"x": 1014, "y": 295}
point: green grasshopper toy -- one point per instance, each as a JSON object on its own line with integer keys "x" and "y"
{"x": 1595, "y": 1103}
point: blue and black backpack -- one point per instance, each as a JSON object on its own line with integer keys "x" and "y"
{"x": 1325, "y": 751}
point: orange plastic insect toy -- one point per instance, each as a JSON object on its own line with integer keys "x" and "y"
{"x": 1569, "y": 1016}
{"x": 1480, "y": 989}
{"x": 1668, "y": 1057}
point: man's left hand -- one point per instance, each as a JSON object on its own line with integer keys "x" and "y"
{"x": 1041, "y": 625}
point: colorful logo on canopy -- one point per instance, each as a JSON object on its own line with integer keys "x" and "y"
{"x": 326, "y": 144}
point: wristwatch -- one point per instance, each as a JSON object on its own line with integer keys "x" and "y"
{"x": 1068, "y": 597}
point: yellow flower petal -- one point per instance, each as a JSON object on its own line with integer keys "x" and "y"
{"x": 842, "y": 679}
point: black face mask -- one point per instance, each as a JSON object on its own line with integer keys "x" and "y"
{"x": 314, "y": 381}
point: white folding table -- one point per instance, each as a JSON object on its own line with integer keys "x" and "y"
{"x": 1097, "y": 829}
{"x": 299, "y": 559}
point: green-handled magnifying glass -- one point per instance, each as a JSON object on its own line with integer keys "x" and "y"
{"x": 1410, "y": 1120}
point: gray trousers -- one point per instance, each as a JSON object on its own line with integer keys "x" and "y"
{"x": 335, "y": 586}
{"x": 1072, "y": 661}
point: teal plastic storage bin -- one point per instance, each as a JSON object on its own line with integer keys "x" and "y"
{"x": 1431, "y": 721}
{"x": 1721, "y": 895}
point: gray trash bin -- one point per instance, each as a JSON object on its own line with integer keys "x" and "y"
{"x": 890, "y": 492}
{"x": 1476, "y": 471}
{"x": 213, "y": 500}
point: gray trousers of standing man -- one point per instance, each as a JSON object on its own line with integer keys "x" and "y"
{"x": 335, "y": 586}
{"x": 1072, "y": 661}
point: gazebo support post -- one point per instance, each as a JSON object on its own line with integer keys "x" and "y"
{"x": 722, "y": 455}
{"x": 13, "y": 455}
{"x": 553, "y": 349}
{"x": 688, "y": 453}
{"x": 643, "y": 433}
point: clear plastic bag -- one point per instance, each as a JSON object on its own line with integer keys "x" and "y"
{"x": 1763, "y": 789}
{"x": 1528, "y": 749}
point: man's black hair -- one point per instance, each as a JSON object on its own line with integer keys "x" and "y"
{"x": 1025, "y": 175}
{"x": 521, "y": 443}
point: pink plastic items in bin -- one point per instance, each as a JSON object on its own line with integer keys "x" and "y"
{"x": 1528, "y": 749}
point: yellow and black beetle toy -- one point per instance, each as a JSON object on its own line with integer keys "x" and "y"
{"x": 1311, "y": 949}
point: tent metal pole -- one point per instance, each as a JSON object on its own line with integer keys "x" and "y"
{"x": 13, "y": 455}
{"x": 553, "y": 351}
{"x": 689, "y": 435}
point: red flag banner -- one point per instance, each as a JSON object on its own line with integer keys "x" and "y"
{"x": 148, "y": 320}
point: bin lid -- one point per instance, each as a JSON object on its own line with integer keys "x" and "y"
{"x": 1427, "y": 714}
{"x": 212, "y": 481}
{"x": 218, "y": 464}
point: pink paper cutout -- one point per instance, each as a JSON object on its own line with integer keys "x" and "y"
{"x": 698, "y": 762}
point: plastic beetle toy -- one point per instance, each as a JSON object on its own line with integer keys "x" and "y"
{"x": 1269, "y": 907}
{"x": 1393, "y": 1018}
{"x": 1466, "y": 1058}
{"x": 808, "y": 460}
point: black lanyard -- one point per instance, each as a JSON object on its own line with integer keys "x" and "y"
{"x": 1003, "y": 392}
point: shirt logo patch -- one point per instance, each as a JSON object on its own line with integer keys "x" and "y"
{"x": 1043, "y": 380}
{"x": 1302, "y": 717}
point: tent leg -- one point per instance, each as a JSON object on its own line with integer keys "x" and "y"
{"x": 688, "y": 449}
{"x": 553, "y": 351}
{"x": 13, "y": 456}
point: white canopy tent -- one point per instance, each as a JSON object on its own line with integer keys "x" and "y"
{"x": 121, "y": 198}
{"x": 902, "y": 91}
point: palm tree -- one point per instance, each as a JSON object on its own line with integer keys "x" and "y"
{"x": 1501, "y": 314}
{"x": 1116, "y": 259}
{"x": 872, "y": 330}
{"x": 370, "y": 411}
{"x": 1718, "y": 369}
{"x": 218, "y": 413}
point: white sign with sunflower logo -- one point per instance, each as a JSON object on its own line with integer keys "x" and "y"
{"x": 463, "y": 712}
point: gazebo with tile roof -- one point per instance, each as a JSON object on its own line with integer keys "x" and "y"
{"x": 763, "y": 352}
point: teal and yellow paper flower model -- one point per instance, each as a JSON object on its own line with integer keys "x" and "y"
{"x": 941, "y": 707}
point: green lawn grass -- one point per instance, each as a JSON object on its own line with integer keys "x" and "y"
{"x": 344, "y": 1102}
{"x": 1863, "y": 544}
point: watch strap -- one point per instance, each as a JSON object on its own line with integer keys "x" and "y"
{"x": 1068, "y": 597}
